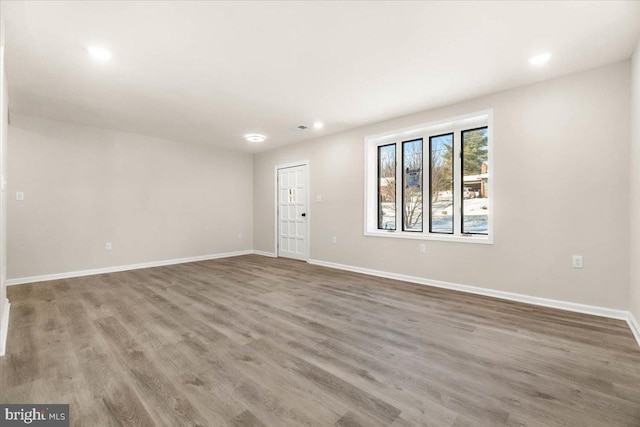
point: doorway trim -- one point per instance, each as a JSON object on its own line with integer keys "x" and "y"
{"x": 276, "y": 223}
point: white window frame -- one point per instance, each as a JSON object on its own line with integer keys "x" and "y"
{"x": 453, "y": 125}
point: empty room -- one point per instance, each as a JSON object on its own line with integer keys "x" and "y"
{"x": 320, "y": 213}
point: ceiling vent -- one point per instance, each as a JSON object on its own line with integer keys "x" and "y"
{"x": 302, "y": 127}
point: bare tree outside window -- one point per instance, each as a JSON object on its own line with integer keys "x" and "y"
{"x": 441, "y": 160}
{"x": 412, "y": 185}
{"x": 387, "y": 187}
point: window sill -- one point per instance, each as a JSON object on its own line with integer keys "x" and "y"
{"x": 478, "y": 239}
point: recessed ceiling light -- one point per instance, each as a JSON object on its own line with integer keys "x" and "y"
{"x": 318, "y": 125}
{"x": 255, "y": 137}
{"x": 540, "y": 60}
{"x": 99, "y": 53}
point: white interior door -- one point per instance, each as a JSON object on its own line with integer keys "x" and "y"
{"x": 292, "y": 212}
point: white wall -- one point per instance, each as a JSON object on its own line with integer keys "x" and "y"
{"x": 4, "y": 124}
{"x": 153, "y": 199}
{"x": 561, "y": 187}
{"x": 635, "y": 185}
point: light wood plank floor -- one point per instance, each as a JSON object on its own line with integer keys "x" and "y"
{"x": 253, "y": 341}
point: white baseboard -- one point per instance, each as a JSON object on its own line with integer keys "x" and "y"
{"x": 635, "y": 326}
{"x": 545, "y": 302}
{"x": 264, "y": 253}
{"x": 67, "y": 275}
{"x": 4, "y": 326}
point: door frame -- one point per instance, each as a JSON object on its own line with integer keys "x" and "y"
{"x": 276, "y": 206}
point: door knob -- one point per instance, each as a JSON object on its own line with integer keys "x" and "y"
{"x": 304, "y": 214}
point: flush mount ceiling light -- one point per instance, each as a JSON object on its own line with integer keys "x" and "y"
{"x": 99, "y": 53}
{"x": 318, "y": 125}
{"x": 540, "y": 59}
{"x": 255, "y": 137}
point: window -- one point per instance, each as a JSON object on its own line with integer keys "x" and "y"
{"x": 441, "y": 184}
{"x": 412, "y": 185}
{"x": 475, "y": 176}
{"x": 387, "y": 187}
{"x": 448, "y": 162}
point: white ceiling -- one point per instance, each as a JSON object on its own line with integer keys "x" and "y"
{"x": 208, "y": 73}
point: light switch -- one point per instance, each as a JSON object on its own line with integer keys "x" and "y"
{"x": 318, "y": 198}
{"x": 19, "y": 195}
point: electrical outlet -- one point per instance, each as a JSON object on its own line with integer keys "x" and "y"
{"x": 240, "y": 236}
{"x": 108, "y": 246}
{"x": 422, "y": 248}
{"x": 334, "y": 240}
{"x": 577, "y": 261}
{"x": 19, "y": 195}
